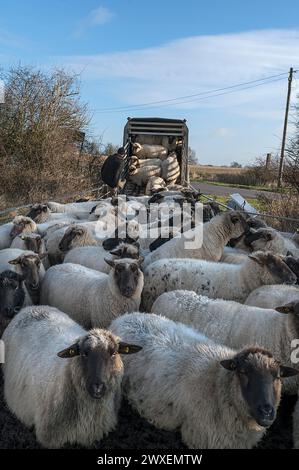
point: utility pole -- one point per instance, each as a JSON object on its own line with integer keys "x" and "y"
{"x": 285, "y": 126}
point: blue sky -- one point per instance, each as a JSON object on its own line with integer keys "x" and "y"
{"x": 132, "y": 52}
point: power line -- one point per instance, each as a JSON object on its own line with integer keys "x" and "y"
{"x": 191, "y": 100}
{"x": 124, "y": 108}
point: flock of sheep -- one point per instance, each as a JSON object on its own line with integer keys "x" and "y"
{"x": 198, "y": 340}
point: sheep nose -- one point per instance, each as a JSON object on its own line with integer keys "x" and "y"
{"x": 267, "y": 411}
{"x": 34, "y": 285}
{"x": 98, "y": 390}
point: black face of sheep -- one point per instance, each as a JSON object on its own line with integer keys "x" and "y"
{"x": 98, "y": 354}
{"x": 12, "y": 294}
{"x": 293, "y": 264}
{"x": 274, "y": 267}
{"x": 127, "y": 274}
{"x": 259, "y": 378}
{"x": 68, "y": 237}
{"x": 261, "y": 234}
{"x": 37, "y": 210}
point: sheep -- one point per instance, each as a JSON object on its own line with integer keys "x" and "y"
{"x": 41, "y": 214}
{"x": 61, "y": 379}
{"x": 93, "y": 257}
{"x": 215, "y": 235}
{"x": 27, "y": 264}
{"x": 13, "y": 296}
{"x": 272, "y": 296}
{"x": 268, "y": 239}
{"x": 216, "y": 396}
{"x": 234, "y": 324}
{"x": 78, "y": 235}
{"x": 216, "y": 280}
{"x": 92, "y": 298}
{"x": 32, "y": 242}
{"x": 9, "y": 231}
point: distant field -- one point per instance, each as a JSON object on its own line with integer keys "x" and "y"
{"x": 207, "y": 171}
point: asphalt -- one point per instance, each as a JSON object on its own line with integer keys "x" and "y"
{"x": 211, "y": 189}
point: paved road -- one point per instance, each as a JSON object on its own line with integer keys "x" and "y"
{"x": 216, "y": 190}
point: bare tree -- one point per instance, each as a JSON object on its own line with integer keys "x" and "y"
{"x": 42, "y": 124}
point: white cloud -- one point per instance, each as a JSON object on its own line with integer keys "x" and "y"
{"x": 196, "y": 64}
{"x": 96, "y": 17}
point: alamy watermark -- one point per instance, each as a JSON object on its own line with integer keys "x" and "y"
{"x": 164, "y": 220}
{"x": 1, "y": 91}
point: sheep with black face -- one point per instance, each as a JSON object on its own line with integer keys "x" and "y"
{"x": 181, "y": 380}
{"x": 13, "y": 297}
{"x": 215, "y": 280}
{"x": 90, "y": 297}
{"x": 61, "y": 379}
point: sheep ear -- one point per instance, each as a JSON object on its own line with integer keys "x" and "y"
{"x": 110, "y": 262}
{"x": 289, "y": 253}
{"x": 228, "y": 364}
{"x": 14, "y": 261}
{"x": 287, "y": 308}
{"x": 126, "y": 348}
{"x": 285, "y": 371}
{"x": 69, "y": 352}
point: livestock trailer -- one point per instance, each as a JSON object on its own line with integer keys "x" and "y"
{"x": 156, "y": 131}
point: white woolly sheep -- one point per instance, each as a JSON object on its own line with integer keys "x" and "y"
{"x": 217, "y": 397}
{"x": 93, "y": 257}
{"x": 9, "y": 231}
{"x": 234, "y": 324}
{"x": 215, "y": 235}
{"x": 91, "y": 298}
{"x": 272, "y": 296}
{"x": 216, "y": 280}
{"x": 61, "y": 379}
